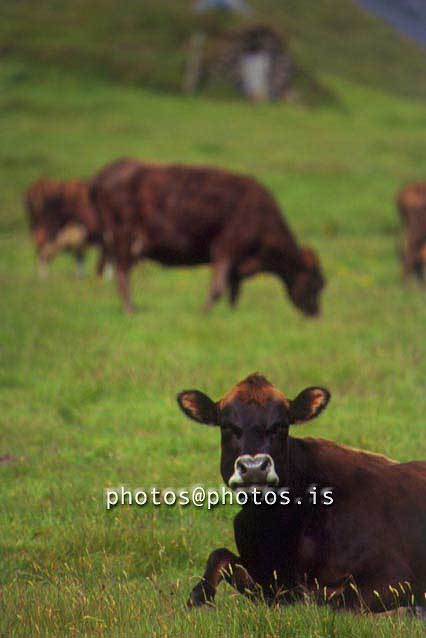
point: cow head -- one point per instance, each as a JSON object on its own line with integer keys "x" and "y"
{"x": 55, "y": 209}
{"x": 50, "y": 240}
{"x": 254, "y": 418}
{"x": 307, "y": 283}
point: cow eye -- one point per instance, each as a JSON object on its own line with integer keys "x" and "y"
{"x": 232, "y": 428}
{"x": 273, "y": 429}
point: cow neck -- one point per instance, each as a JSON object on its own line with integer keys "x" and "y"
{"x": 285, "y": 264}
{"x": 303, "y": 466}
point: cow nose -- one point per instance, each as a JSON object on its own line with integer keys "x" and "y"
{"x": 254, "y": 470}
{"x": 257, "y": 465}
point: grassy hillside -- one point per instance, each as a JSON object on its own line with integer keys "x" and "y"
{"x": 144, "y": 42}
{"x": 87, "y": 394}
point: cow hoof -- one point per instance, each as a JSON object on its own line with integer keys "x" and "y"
{"x": 202, "y": 594}
{"x": 129, "y": 310}
{"x": 108, "y": 273}
{"x": 43, "y": 272}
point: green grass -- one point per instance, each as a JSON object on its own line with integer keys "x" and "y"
{"x": 87, "y": 394}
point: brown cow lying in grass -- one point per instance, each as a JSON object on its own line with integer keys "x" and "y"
{"x": 411, "y": 203}
{"x": 61, "y": 218}
{"x": 182, "y": 215}
{"x": 365, "y": 550}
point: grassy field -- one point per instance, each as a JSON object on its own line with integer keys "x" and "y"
{"x": 87, "y": 394}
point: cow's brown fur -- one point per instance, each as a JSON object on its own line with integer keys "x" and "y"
{"x": 256, "y": 389}
{"x": 181, "y": 215}
{"x": 411, "y": 203}
{"x": 61, "y": 217}
{"x": 366, "y": 551}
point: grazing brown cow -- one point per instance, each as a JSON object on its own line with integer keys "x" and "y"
{"x": 365, "y": 550}
{"x": 181, "y": 215}
{"x": 61, "y": 218}
{"x": 411, "y": 202}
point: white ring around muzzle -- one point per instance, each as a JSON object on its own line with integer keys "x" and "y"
{"x": 253, "y": 474}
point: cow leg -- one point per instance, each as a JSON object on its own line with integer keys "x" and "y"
{"x": 79, "y": 258}
{"x": 45, "y": 254}
{"x": 123, "y": 285}
{"x": 404, "y": 612}
{"x": 406, "y": 267}
{"x": 246, "y": 268}
{"x": 42, "y": 268}
{"x": 419, "y": 272}
{"x": 123, "y": 261}
{"x": 418, "y": 269}
{"x": 100, "y": 266}
{"x": 108, "y": 271}
{"x": 234, "y": 288}
{"x": 407, "y": 252}
{"x": 414, "y": 260}
{"x": 221, "y": 565}
{"x": 104, "y": 266}
{"x": 221, "y": 269}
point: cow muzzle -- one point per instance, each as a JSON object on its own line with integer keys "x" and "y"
{"x": 253, "y": 470}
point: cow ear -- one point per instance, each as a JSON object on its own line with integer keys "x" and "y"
{"x": 309, "y": 257}
{"x": 198, "y": 406}
{"x": 308, "y": 404}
